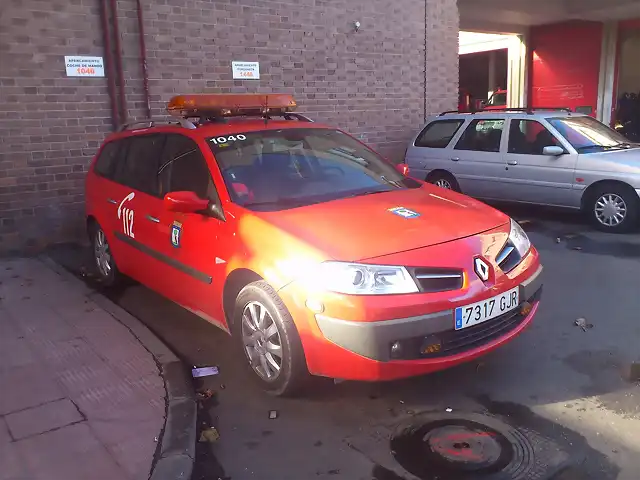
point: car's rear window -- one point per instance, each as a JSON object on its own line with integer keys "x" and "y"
{"x": 438, "y": 134}
{"x": 287, "y": 168}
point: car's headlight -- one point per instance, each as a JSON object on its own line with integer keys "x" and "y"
{"x": 358, "y": 279}
{"x": 519, "y": 238}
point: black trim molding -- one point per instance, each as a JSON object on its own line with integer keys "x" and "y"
{"x": 198, "y": 275}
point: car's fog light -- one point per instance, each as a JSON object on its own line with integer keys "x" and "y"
{"x": 526, "y": 308}
{"x": 316, "y": 306}
{"x": 396, "y": 350}
{"x": 430, "y": 345}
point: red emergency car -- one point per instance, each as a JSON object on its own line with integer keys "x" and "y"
{"x": 314, "y": 252}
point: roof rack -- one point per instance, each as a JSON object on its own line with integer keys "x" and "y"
{"x": 150, "y": 122}
{"x": 204, "y": 119}
{"x": 185, "y": 123}
{"x": 529, "y": 110}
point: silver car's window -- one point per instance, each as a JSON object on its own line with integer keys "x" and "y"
{"x": 528, "y": 137}
{"x": 438, "y": 134}
{"x": 482, "y": 136}
{"x": 587, "y": 135}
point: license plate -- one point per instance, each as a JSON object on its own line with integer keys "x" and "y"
{"x": 475, "y": 313}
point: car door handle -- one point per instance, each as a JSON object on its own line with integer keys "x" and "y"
{"x": 111, "y": 200}
{"x": 455, "y": 159}
{"x": 512, "y": 162}
{"x": 152, "y": 219}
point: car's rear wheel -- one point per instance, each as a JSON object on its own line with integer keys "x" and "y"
{"x": 613, "y": 208}
{"x": 444, "y": 180}
{"x": 108, "y": 272}
{"x": 270, "y": 340}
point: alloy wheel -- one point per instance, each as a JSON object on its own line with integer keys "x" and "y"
{"x": 102, "y": 254}
{"x": 262, "y": 342}
{"x": 444, "y": 183}
{"x": 610, "y": 209}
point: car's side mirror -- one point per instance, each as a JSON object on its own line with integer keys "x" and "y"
{"x": 184, "y": 202}
{"x": 553, "y": 151}
{"x": 403, "y": 168}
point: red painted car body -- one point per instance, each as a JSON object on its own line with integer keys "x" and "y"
{"x": 282, "y": 246}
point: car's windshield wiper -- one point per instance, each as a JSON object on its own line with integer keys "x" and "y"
{"x": 280, "y": 202}
{"x": 368, "y": 192}
{"x": 588, "y": 147}
{"x": 625, "y": 145}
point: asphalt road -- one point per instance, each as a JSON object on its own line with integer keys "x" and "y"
{"x": 562, "y": 395}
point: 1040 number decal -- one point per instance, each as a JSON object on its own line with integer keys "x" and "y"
{"x": 230, "y": 138}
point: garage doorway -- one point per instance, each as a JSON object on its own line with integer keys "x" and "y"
{"x": 627, "y": 112}
{"x": 491, "y": 71}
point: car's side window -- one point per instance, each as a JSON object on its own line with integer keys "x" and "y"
{"x": 107, "y": 161}
{"x": 438, "y": 134}
{"x": 140, "y": 167}
{"x": 185, "y": 169}
{"x": 529, "y": 137}
{"x": 482, "y": 135}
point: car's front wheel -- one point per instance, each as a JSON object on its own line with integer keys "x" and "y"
{"x": 270, "y": 340}
{"x": 444, "y": 180}
{"x": 613, "y": 208}
{"x": 103, "y": 258}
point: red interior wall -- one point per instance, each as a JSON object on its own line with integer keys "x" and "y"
{"x": 565, "y": 65}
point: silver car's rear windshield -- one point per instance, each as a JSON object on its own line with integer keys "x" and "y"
{"x": 588, "y": 135}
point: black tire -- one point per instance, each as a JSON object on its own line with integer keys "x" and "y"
{"x": 441, "y": 178}
{"x": 108, "y": 277}
{"x": 608, "y": 193}
{"x": 293, "y": 373}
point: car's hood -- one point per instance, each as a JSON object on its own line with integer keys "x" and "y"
{"x": 613, "y": 160}
{"x": 364, "y": 227}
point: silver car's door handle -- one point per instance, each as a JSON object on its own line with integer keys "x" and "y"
{"x": 512, "y": 162}
{"x": 111, "y": 200}
{"x": 152, "y": 219}
{"x": 455, "y": 159}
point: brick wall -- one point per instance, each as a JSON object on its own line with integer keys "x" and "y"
{"x": 370, "y": 82}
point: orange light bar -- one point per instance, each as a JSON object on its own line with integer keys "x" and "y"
{"x": 223, "y": 105}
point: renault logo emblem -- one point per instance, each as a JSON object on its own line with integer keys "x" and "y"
{"x": 481, "y": 268}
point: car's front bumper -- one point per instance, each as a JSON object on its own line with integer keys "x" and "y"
{"x": 374, "y": 339}
{"x": 352, "y": 337}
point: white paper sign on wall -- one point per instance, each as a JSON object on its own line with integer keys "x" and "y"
{"x": 245, "y": 70}
{"x": 84, "y": 66}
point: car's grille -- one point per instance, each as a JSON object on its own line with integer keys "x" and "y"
{"x": 508, "y": 258}
{"x": 432, "y": 280}
{"x": 458, "y": 341}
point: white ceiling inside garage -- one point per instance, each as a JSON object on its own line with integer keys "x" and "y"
{"x": 516, "y": 15}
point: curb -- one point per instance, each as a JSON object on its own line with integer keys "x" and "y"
{"x": 175, "y": 455}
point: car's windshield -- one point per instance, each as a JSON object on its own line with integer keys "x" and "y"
{"x": 587, "y": 135}
{"x": 279, "y": 169}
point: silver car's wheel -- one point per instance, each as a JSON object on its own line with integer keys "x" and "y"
{"x": 444, "y": 180}
{"x": 262, "y": 342}
{"x": 613, "y": 207}
{"x": 444, "y": 183}
{"x": 610, "y": 210}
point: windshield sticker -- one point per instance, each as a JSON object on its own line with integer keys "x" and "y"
{"x": 404, "y": 212}
{"x": 176, "y": 233}
{"x": 231, "y": 138}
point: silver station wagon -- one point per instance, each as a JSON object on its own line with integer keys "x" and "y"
{"x": 545, "y": 157}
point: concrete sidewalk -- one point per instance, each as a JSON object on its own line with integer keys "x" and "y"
{"x": 80, "y": 396}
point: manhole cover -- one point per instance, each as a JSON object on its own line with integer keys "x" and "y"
{"x": 471, "y": 446}
{"x": 465, "y": 446}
